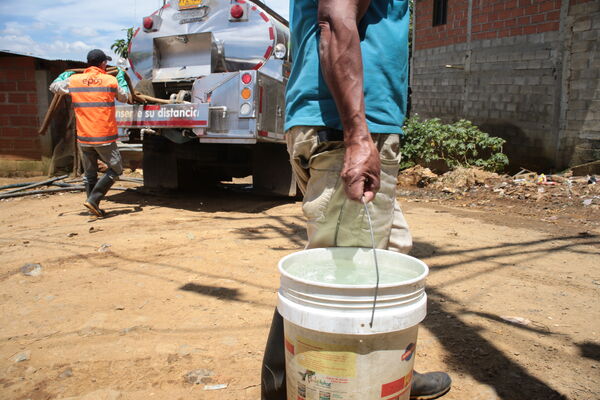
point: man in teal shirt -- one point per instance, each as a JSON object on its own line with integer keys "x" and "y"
{"x": 345, "y": 105}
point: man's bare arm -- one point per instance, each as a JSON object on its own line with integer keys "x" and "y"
{"x": 341, "y": 65}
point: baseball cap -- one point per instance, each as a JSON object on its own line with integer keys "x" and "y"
{"x": 96, "y": 57}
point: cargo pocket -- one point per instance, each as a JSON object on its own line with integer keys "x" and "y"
{"x": 382, "y": 211}
{"x": 324, "y": 180}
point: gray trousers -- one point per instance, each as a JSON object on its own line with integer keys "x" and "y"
{"x": 108, "y": 153}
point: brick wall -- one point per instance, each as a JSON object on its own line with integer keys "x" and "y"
{"x": 454, "y": 31}
{"x": 502, "y": 18}
{"x": 535, "y": 84}
{"x": 18, "y": 109}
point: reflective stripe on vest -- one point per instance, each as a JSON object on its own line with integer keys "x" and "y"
{"x": 93, "y": 95}
{"x": 106, "y": 139}
{"x": 92, "y": 89}
{"x": 94, "y": 104}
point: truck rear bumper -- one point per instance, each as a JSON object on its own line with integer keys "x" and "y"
{"x": 195, "y": 115}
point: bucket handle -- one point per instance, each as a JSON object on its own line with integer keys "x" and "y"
{"x": 374, "y": 257}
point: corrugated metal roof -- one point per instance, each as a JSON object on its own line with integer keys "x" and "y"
{"x": 14, "y": 53}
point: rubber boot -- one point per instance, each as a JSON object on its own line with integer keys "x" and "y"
{"x": 430, "y": 385}
{"x": 89, "y": 186}
{"x": 273, "y": 366}
{"x": 100, "y": 189}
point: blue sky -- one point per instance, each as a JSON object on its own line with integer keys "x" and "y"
{"x": 68, "y": 29}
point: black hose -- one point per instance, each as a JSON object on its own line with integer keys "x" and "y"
{"x": 36, "y": 184}
{"x": 14, "y": 185}
{"x": 32, "y": 192}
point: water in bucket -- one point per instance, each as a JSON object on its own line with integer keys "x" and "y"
{"x": 326, "y": 299}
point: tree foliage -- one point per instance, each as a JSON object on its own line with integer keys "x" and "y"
{"x": 121, "y": 46}
{"x": 457, "y": 144}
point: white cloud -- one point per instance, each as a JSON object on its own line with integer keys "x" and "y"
{"x": 58, "y": 49}
{"x": 14, "y": 28}
{"x": 85, "y": 31}
{"x": 69, "y": 28}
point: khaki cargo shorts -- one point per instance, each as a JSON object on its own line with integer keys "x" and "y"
{"x": 332, "y": 219}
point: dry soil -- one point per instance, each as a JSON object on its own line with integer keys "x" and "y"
{"x": 170, "y": 283}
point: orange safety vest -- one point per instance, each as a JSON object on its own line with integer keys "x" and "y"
{"x": 93, "y": 97}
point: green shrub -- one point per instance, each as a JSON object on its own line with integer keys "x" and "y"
{"x": 430, "y": 142}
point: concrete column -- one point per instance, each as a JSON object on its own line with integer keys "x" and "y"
{"x": 467, "y": 62}
{"x": 561, "y": 93}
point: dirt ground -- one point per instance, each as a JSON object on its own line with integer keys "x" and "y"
{"x": 170, "y": 283}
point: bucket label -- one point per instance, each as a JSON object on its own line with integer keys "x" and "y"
{"x": 397, "y": 387}
{"x": 324, "y": 366}
{"x": 327, "y": 359}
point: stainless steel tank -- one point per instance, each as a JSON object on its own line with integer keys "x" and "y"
{"x": 257, "y": 40}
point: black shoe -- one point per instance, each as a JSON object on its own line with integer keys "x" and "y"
{"x": 430, "y": 385}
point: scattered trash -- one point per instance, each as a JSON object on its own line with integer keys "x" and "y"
{"x": 564, "y": 189}
{"x": 119, "y": 307}
{"x": 199, "y": 376}
{"x": 67, "y": 373}
{"x": 104, "y": 248}
{"x": 517, "y": 320}
{"x": 416, "y": 176}
{"x": 72, "y": 234}
{"x": 31, "y": 269}
{"x": 191, "y": 236}
{"x": 216, "y": 387}
{"x": 23, "y": 356}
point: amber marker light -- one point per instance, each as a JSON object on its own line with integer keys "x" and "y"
{"x": 246, "y": 93}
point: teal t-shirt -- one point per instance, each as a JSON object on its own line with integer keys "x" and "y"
{"x": 384, "y": 44}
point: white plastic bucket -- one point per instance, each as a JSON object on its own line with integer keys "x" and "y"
{"x": 332, "y": 352}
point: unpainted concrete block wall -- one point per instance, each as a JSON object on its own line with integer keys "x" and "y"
{"x": 512, "y": 76}
{"x": 580, "y": 137}
{"x": 504, "y": 85}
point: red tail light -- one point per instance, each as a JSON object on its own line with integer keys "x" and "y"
{"x": 246, "y": 78}
{"x": 148, "y": 23}
{"x": 237, "y": 11}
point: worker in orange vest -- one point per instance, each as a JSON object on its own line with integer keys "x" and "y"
{"x": 93, "y": 96}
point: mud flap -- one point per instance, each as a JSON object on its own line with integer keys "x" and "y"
{"x": 159, "y": 163}
{"x": 271, "y": 170}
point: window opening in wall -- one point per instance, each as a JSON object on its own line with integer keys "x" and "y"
{"x": 440, "y": 12}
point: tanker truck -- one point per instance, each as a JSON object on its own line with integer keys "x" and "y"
{"x": 220, "y": 69}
